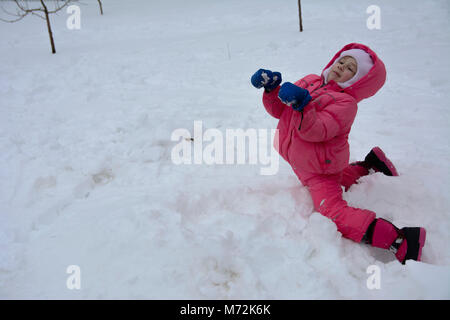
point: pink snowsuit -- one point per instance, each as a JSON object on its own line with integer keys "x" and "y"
{"x": 318, "y": 151}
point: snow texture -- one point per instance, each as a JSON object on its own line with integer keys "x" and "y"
{"x": 87, "y": 179}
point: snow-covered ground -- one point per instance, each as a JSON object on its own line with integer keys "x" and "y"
{"x": 86, "y": 176}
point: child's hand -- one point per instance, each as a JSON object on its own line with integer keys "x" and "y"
{"x": 267, "y": 79}
{"x": 294, "y": 96}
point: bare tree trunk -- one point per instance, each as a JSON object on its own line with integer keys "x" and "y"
{"x": 24, "y": 10}
{"x": 300, "y": 15}
{"x": 101, "y": 8}
{"x": 47, "y": 18}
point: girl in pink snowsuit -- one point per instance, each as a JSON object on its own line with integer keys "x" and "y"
{"x": 315, "y": 117}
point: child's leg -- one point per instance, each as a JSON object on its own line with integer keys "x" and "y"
{"x": 356, "y": 224}
{"x": 326, "y": 193}
{"x": 352, "y": 173}
{"x": 375, "y": 159}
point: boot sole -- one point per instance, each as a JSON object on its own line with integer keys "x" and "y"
{"x": 422, "y": 238}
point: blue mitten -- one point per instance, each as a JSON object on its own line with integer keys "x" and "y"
{"x": 267, "y": 79}
{"x": 294, "y": 96}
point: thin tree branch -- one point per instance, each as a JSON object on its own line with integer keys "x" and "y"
{"x": 20, "y": 6}
{"x": 38, "y": 15}
{"x": 27, "y": 10}
{"x": 12, "y": 21}
{"x": 62, "y": 7}
{"x": 9, "y": 13}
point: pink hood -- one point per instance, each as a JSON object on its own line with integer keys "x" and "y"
{"x": 368, "y": 85}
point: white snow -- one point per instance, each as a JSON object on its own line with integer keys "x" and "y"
{"x": 86, "y": 176}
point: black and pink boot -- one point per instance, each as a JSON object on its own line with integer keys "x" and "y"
{"x": 377, "y": 160}
{"x": 405, "y": 243}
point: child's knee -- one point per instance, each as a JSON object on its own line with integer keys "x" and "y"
{"x": 328, "y": 206}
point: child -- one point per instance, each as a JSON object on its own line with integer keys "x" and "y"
{"x": 316, "y": 114}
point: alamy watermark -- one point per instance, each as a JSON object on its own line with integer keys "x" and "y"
{"x": 73, "y": 22}
{"x": 235, "y": 146}
{"x": 74, "y": 280}
{"x": 374, "y": 280}
{"x": 374, "y": 20}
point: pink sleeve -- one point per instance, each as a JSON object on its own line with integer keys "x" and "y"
{"x": 273, "y": 104}
{"x": 334, "y": 119}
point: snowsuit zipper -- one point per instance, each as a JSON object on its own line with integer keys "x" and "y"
{"x": 301, "y": 121}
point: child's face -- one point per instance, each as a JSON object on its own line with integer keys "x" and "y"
{"x": 343, "y": 70}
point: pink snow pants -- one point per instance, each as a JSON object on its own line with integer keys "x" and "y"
{"x": 326, "y": 193}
